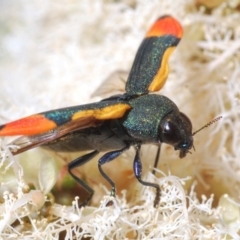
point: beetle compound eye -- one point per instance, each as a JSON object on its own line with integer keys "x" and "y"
{"x": 169, "y": 132}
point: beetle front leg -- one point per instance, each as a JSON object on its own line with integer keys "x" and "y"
{"x": 137, "y": 168}
{"x": 156, "y": 159}
{"x": 108, "y": 157}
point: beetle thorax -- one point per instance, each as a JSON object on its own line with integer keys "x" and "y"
{"x": 143, "y": 120}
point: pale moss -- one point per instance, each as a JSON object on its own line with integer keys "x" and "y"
{"x": 57, "y": 53}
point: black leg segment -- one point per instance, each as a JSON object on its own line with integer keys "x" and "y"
{"x": 108, "y": 157}
{"x": 79, "y": 162}
{"x": 137, "y": 168}
{"x": 156, "y": 159}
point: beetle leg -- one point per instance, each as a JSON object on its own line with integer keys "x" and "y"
{"x": 108, "y": 157}
{"x": 137, "y": 168}
{"x": 156, "y": 159}
{"x": 79, "y": 162}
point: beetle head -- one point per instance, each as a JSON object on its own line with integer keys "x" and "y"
{"x": 176, "y": 129}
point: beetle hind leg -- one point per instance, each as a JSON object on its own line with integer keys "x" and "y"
{"x": 137, "y": 168}
{"x": 79, "y": 162}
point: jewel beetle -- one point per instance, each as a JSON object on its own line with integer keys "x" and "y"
{"x": 115, "y": 124}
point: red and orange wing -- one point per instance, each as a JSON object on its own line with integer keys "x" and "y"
{"x": 47, "y": 126}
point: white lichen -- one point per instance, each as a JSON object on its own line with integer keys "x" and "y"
{"x": 56, "y": 54}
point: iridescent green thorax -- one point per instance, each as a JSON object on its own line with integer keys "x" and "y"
{"x": 142, "y": 122}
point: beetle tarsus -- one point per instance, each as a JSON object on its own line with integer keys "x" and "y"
{"x": 113, "y": 192}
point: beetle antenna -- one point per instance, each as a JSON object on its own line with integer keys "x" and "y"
{"x": 207, "y": 125}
